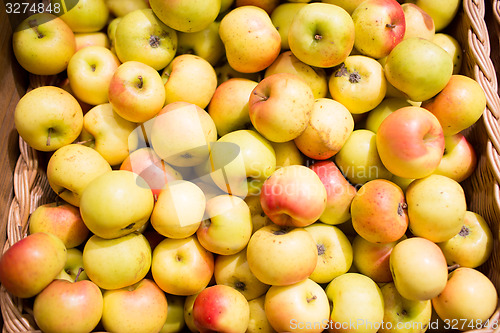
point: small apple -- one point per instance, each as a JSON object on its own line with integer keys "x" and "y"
{"x": 87, "y": 16}
{"x": 287, "y": 153}
{"x": 258, "y": 322}
{"x": 175, "y": 314}
{"x": 259, "y": 218}
{"x": 85, "y": 39}
{"x": 459, "y": 160}
{"x": 381, "y": 111}
{"x": 442, "y": 13}
{"x": 73, "y": 268}
{"x": 282, "y": 17}
{"x": 418, "y": 22}
{"x": 452, "y": 46}
{"x": 121, "y": 8}
{"x": 268, "y": 5}
{"x": 188, "y": 312}
{"x": 205, "y": 43}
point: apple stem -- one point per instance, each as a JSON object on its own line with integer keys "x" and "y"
{"x": 154, "y": 41}
{"x": 318, "y": 37}
{"x": 389, "y": 25}
{"x": 80, "y": 270}
{"x": 310, "y": 299}
{"x": 33, "y": 25}
{"x": 48, "y": 136}
{"x": 453, "y": 267}
{"x": 84, "y": 142}
{"x": 141, "y": 82}
{"x": 263, "y": 97}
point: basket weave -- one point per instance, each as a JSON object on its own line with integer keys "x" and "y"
{"x": 31, "y": 187}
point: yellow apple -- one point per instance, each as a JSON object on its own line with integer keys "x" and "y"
{"x": 258, "y": 320}
{"x": 282, "y": 17}
{"x": 84, "y": 39}
{"x": 205, "y": 43}
{"x": 418, "y": 22}
{"x": 452, "y": 46}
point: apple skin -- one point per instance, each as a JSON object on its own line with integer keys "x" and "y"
{"x": 459, "y": 160}
{"x": 452, "y": 46}
{"x": 258, "y": 322}
{"x": 85, "y": 39}
{"x": 205, "y": 43}
{"x": 79, "y": 306}
{"x": 188, "y": 312}
{"x": 410, "y": 142}
{"x": 295, "y": 254}
{"x": 418, "y": 22}
{"x": 30, "y": 264}
{"x": 87, "y": 16}
{"x": 121, "y": 8}
{"x": 442, "y": 13}
{"x": 418, "y": 268}
{"x": 282, "y": 17}
{"x": 348, "y": 5}
{"x": 469, "y": 299}
{"x": 175, "y": 314}
{"x": 293, "y": 196}
{"x": 48, "y": 118}
{"x": 73, "y": 268}
{"x": 381, "y": 111}
{"x": 287, "y": 153}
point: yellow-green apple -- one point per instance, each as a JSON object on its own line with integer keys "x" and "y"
{"x": 348, "y": 5}
{"x": 315, "y": 77}
{"x": 358, "y": 159}
{"x": 259, "y": 218}
{"x": 106, "y": 132}
{"x": 141, "y": 307}
{"x": 287, "y": 153}
{"x": 294, "y": 254}
{"x": 404, "y": 315}
{"x": 229, "y": 105}
{"x": 30, "y": 264}
{"x": 418, "y": 68}
{"x": 334, "y": 252}
{"x": 293, "y": 196}
{"x": 60, "y": 219}
{"x": 186, "y": 16}
{"x": 458, "y": 105}
{"x": 220, "y": 308}
{"x": 268, "y": 5}
{"x": 358, "y": 83}
{"x": 225, "y": 5}
{"x": 118, "y": 262}
{"x": 372, "y": 259}
{"x": 188, "y": 312}
{"x": 391, "y": 90}
{"x": 141, "y": 36}
{"x": 116, "y": 203}
{"x": 205, "y": 43}
{"x": 356, "y": 302}
{"x": 90, "y": 71}
{"x": 328, "y": 128}
{"x": 459, "y": 160}
{"x": 282, "y": 17}
{"x": 468, "y": 300}
{"x": 189, "y": 78}
{"x": 121, "y": 8}
{"x": 43, "y": 44}
{"x": 175, "y": 314}
{"x": 65, "y": 306}
{"x": 381, "y": 111}
{"x": 402, "y": 182}
{"x": 251, "y": 41}
{"x": 48, "y": 118}
{"x": 258, "y": 322}
{"x": 410, "y": 142}
{"x": 136, "y": 91}
{"x": 379, "y": 26}
{"x": 85, "y": 39}
{"x": 418, "y": 268}
{"x": 182, "y": 266}
{"x": 300, "y": 307}
{"x": 339, "y": 193}
{"x": 226, "y": 72}
{"x": 472, "y": 246}
{"x": 227, "y": 226}
{"x": 378, "y": 211}
{"x": 64, "y": 84}
{"x": 321, "y": 35}
{"x": 87, "y": 16}
{"x": 111, "y": 32}
{"x": 73, "y": 268}
{"x": 179, "y": 210}
{"x": 418, "y": 22}
{"x": 71, "y": 168}
{"x": 452, "y": 46}
{"x": 442, "y": 13}
{"x": 436, "y": 207}
{"x": 233, "y": 270}
{"x": 181, "y": 134}
{"x": 280, "y": 106}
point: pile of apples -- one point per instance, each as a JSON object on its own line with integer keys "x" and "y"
{"x": 251, "y": 166}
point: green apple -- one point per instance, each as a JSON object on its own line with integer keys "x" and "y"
{"x": 418, "y": 22}
{"x": 205, "y": 43}
{"x": 348, "y": 5}
{"x": 282, "y": 17}
{"x": 258, "y": 320}
{"x": 188, "y": 312}
{"x": 111, "y": 32}
{"x": 381, "y": 111}
{"x": 287, "y": 153}
{"x": 226, "y": 72}
{"x": 73, "y": 268}
{"x": 452, "y": 46}
{"x": 87, "y": 16}
{"x": 459, "y": 160}
{"x": 321, "y": 35}
{"x": 175, "y": 314}
{"x": 121, "y": 8}
{"x": 48, "y": 118}
{"x": 259, "y": 218}
{"x": 442, "y": 13}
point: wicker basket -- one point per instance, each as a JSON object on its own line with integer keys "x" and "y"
{"x": 482, "y": 189}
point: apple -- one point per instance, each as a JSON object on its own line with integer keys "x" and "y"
{"x": 442, "y": 14}
{"x": 293, "y": 196}
{"x": 402, "y": 182}
{"x": 233, "y": 270}
{"x": 116, "y": 203}
{"x": 410, "y": 142}
{"x": 300, "y": 307}
{"x": 60, "y": 219}
{"x": 379, "y": 26}
{"x": 348, "y": 5}
{"x": 329, "y": 127}
{"x": 280, "y": 106}
{"x": 378, "y": 211}
{"x": 73, "y": 268}
{"x": 339, "y": 193}
{"x": 225, "y": 72}
{"x": 136, "y": 91}
{"x": 65, "y": 306}
{"x": 175, "y": 314}
{"x": 87, "y": 16}
{"x": 418, "y": 22}
{"x": 418, "y": 268}
{"x": 182, "y": 266}
{"x": 452, "y": 46}
{"x": 358, "y": 83}
{"x": 268, "y": 5}
{"x": 71, "y": 168}
{"x": 205, "y": 43}
{"x": 472, "y": 246}
{"x": 258, "y": 322}
{"x": 30, "y": 264}
{"x": 111, "y": 32}
{"x": 282, "y": 17}
{"x": 381, "y": 111}
{"x": 48, "y": 118}
{"x": 120, "y": 8}
{"x": 468, "y": 300}
{"x": 418, "y": 68}
{"x": 221, "y": 308}
{"x": 188, "y": 312}
{"x": 251, "y": 41}
{"x": 436, "y": 207}
{"x": 259, "y": 218}
{"x": 90, "y": 71}
{"x": 85, "y": 39}
{"x": 334, "y": 252}
{"x": 287, "y": 153}
{"x": 141, "y": 307}
{"x": 141, "y": 36}
{"x": 459, "y": 160}
{"x": 43, "y": 44}
{"x": 356, "y": 302}
{"x": 118, "y": 262}
{"x": 294, "y": 254}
